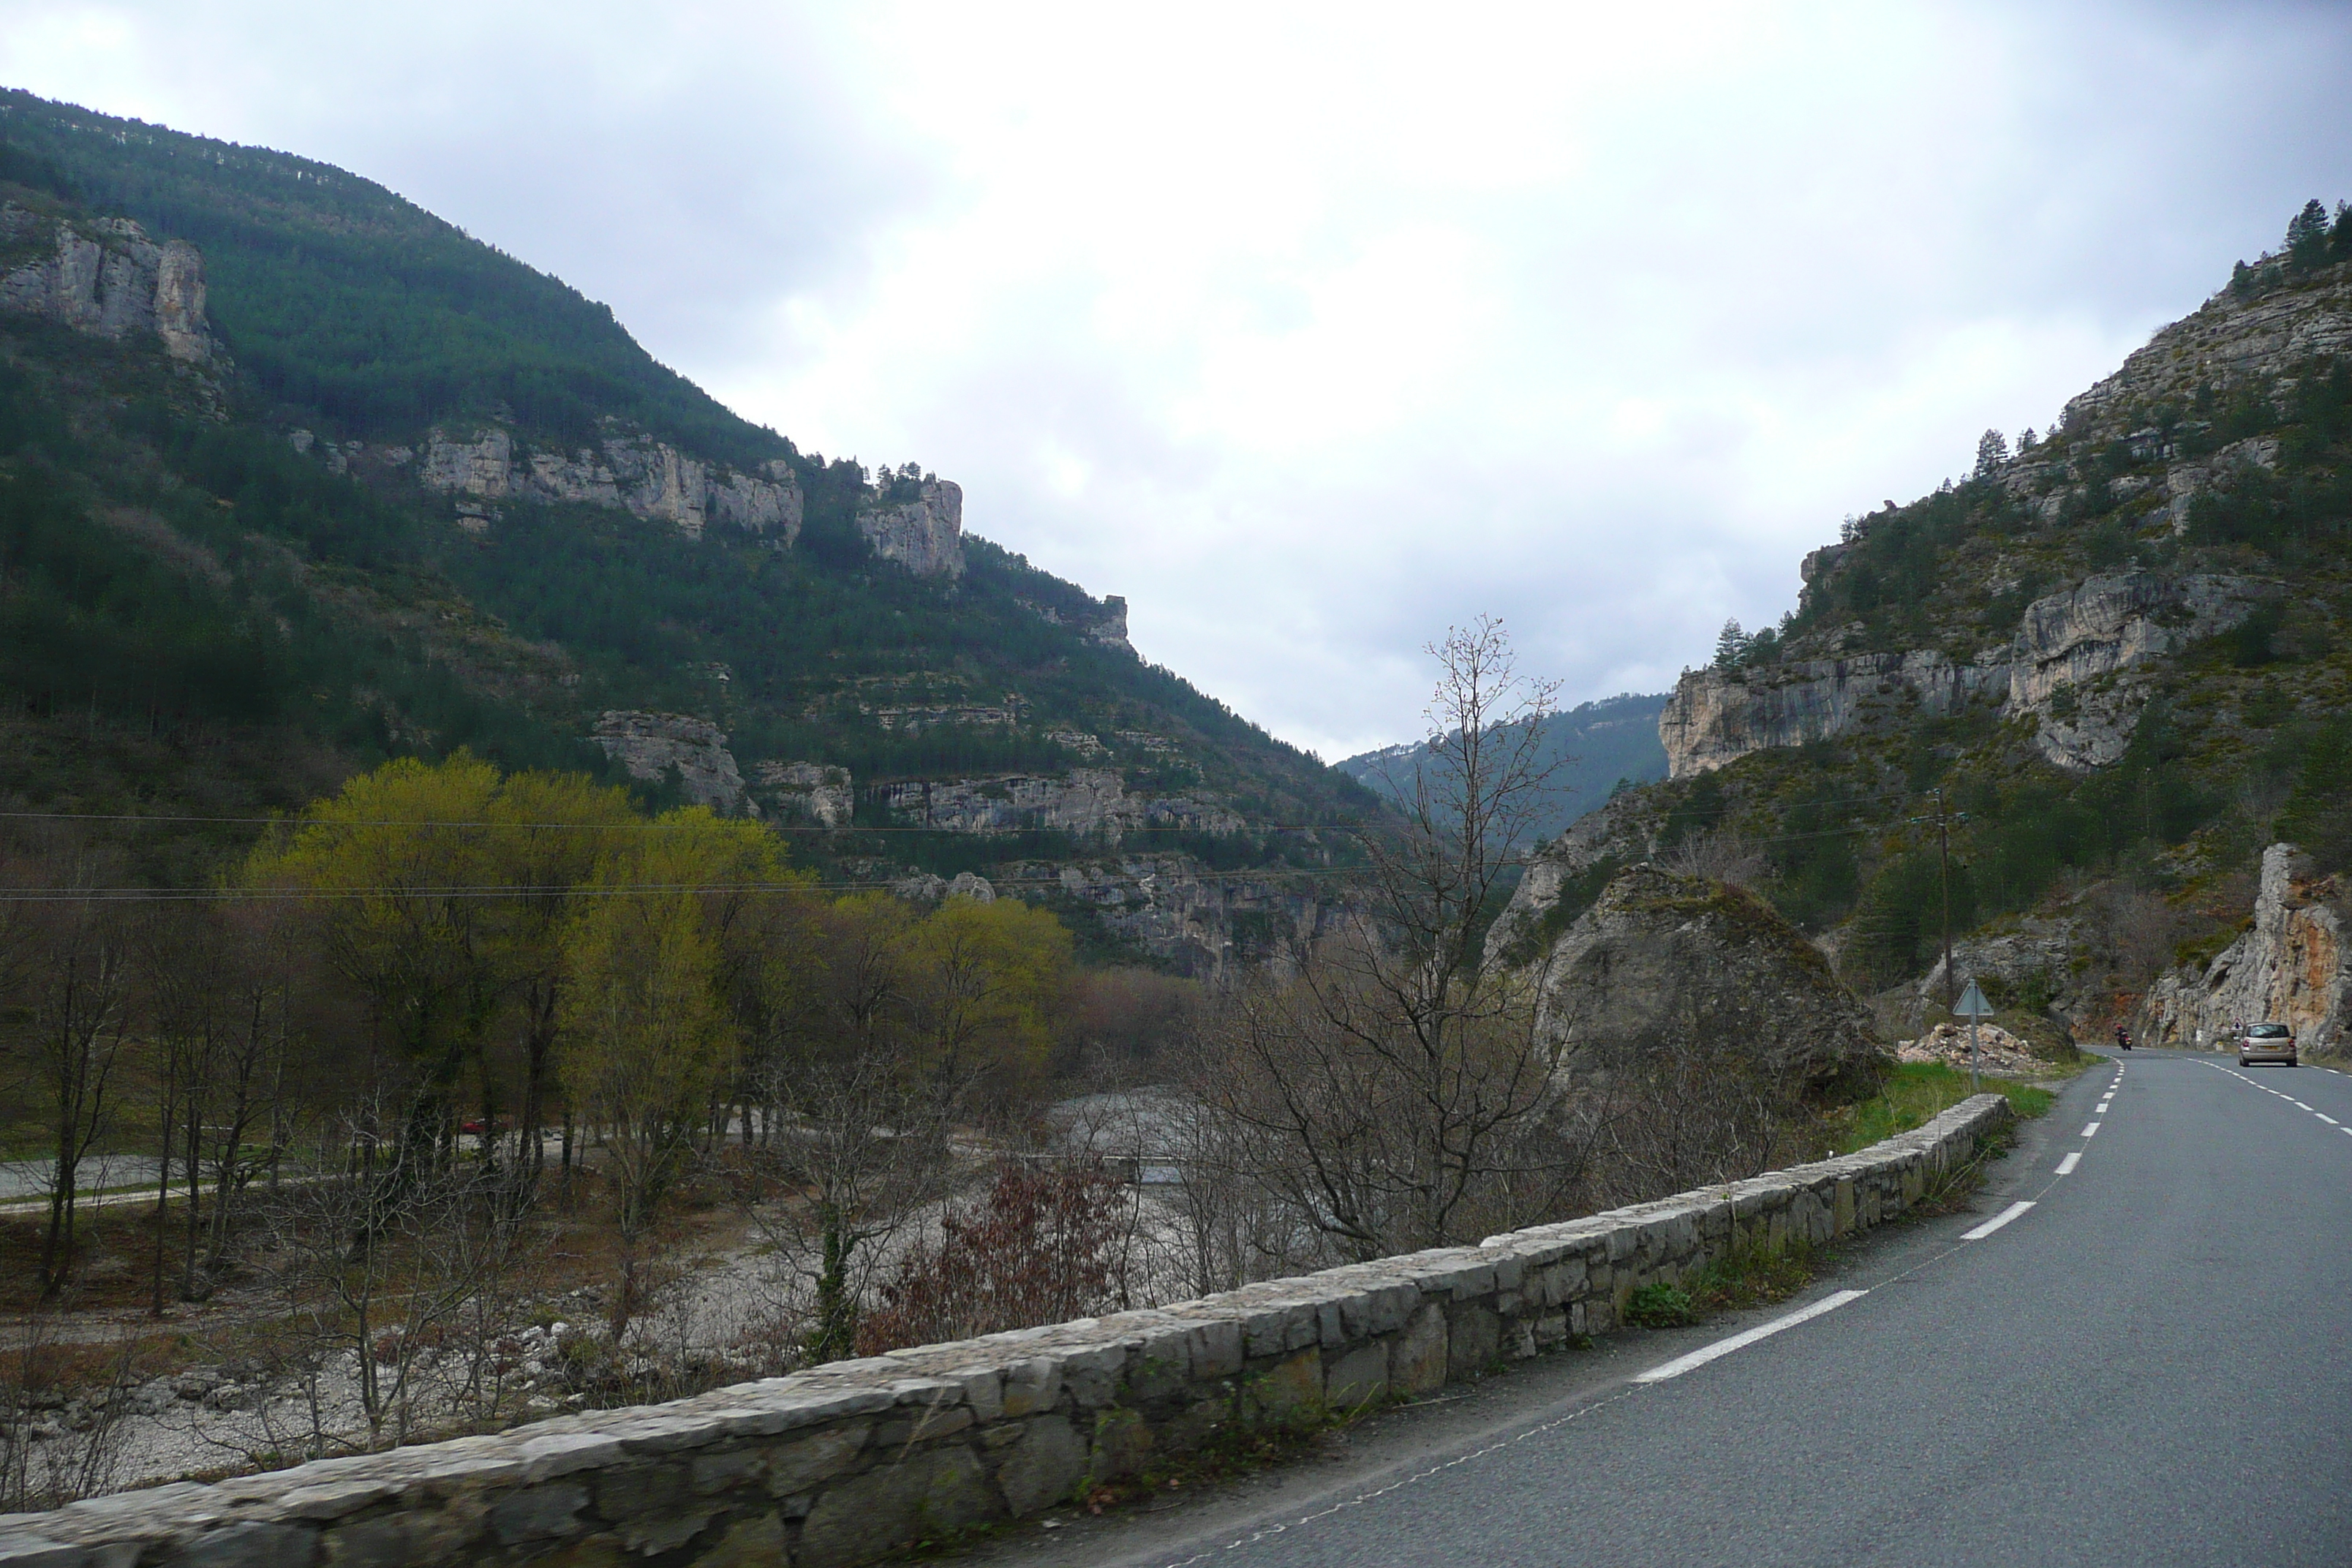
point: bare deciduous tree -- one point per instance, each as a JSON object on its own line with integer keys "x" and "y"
{"x": 1402, "y": 1095}
{"x": 1719, "y": 856}
{"x": 72, "y": 1018}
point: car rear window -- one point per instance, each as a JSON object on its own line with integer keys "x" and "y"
{"x": 2268, "y": 1031}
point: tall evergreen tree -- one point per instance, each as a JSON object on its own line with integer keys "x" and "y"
{"x": 2306, "y": 235}
{"x": 1992, "y": 451}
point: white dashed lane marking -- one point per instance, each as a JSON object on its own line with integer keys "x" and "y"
{"x": 2281, "y": 1094}
{"x": 2092, "y": 1131}
{"x": 2066, "y": 1166}
{"x": 1682, "y": 1365}
{"x": 1994, "y": 1224}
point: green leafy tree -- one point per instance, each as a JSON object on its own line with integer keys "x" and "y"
{"x": 649, "y": 1038}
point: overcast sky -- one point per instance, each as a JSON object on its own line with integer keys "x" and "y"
{"x": 1313, "y": 329}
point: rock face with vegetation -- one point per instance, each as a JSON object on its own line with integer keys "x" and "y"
{"x": 1660, "y": 962}
{"x": 649, "y": 479}
{"x": 1087, "y": 802}
{"x": 650, "y": 746}
{"x": 2293, "y": 965}
{"x": 918, "y": 523}
{"x": 2066, "y": 668}
{"x": 104, "y": 277}
{"x": 2068, "y": 695}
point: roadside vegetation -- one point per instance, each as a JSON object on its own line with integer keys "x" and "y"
{"x": 1915, "y": 1093}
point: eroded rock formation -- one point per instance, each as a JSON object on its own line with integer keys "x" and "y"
{"x": 1663, "y": 962}
{"x": 1104, "y": 625}
{"x": 107, "y": 278}
{"x": 924, "y": 533}
{"x": 811, "y": 793}
{"x": 2292, "y": 966}
{"x": 626, "y": 468}
{"x": 649, "y": 744}
{"x": 2057, "y": 668}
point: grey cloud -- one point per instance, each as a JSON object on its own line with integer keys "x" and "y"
{"x": 1767, "y": 292}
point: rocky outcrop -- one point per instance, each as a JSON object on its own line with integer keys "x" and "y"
{"x": 648, "y": 745}
{"x": 2229, "y": 342}
{"x": 1087, "y": 803}
{"x": 808, "y": 793}
{"x": 107, "y": 278}
{"x": 1199, "y": 924}
{"x": 625, "y": 469}
{"x": 2035, "y": 959}
{"x": 2058, "y": 667}
{"x": 1104, "y": 625}
{"x": 2292, "y": 966}
{"x": 1715, "y": 716}
{"x": 923, "y": 531}
{"x": 1663, "y": 962}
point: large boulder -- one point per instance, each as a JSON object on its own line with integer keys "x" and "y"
{"x": 1663, "y": 962}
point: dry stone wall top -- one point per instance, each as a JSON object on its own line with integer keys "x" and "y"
{"x": 844, "y": 1463}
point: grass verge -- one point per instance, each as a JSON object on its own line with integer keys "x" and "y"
{"x": 1749, "y": 1276}
{"x": 1915, "y": 1093}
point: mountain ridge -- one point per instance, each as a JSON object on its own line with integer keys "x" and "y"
{"x": 455, "y": 475}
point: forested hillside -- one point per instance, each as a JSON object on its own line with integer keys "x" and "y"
{"x": 2105, "y": 668}
{"x": 1594, "y": 750}
{"x": 412, "y": 495}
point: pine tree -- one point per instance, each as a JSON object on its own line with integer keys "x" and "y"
{"x": 1992, "y": 451}
{"x": 1730, "y": 646}
{"x": 2306, "y": 235}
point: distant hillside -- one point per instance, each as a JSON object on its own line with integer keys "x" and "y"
{"x": 295, "y": 476}
{"x": 1599, "y": 745}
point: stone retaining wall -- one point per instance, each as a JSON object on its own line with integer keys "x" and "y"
{"x": 838, "y": 1465}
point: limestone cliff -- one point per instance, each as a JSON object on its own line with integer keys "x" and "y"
{"x": 105, "y": 277}
{"x": 812, "y": 794}
{"x": 626, "y": 468}
{"x": 1662, "y": 960}
{"x": 1089, "y": 802}
{"x": 922, "y": 531}
{"x": 649, "y": 744}
{"x": 2055, "y": 667}
{"x": 1104, "y": 626}
{"x": 1201, "y": 925}
{"x": 2292, "y": 966}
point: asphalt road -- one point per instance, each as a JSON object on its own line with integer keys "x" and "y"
{"x": 2151, "y": 1365}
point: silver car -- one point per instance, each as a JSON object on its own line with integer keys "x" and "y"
{"x": 2266, "y": 1043}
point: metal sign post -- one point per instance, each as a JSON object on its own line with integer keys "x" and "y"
{"x": 1972, "y": 1006}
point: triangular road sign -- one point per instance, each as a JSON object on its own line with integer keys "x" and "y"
{"x": 1972, "y": 1003}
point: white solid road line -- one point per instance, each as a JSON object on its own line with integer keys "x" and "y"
{"x": 2092, "y": 1131}
{"x": 1682, "y": 1365}
{"x": 2066, "y": 1166}
{"x": 1994, "y": 1224}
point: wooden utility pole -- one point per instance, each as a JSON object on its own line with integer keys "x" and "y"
{"x": 1943, "y": 856}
